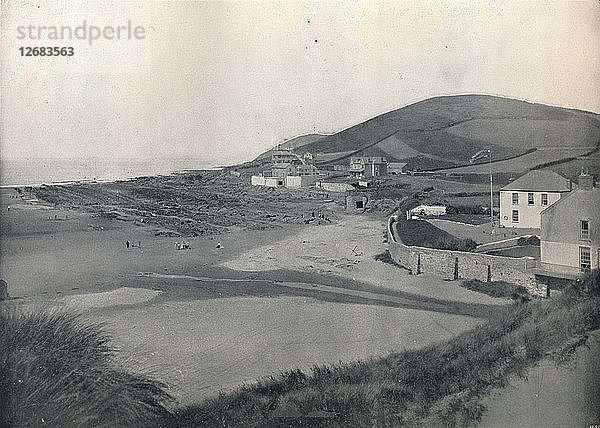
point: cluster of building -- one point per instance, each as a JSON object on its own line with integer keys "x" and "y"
{"x": 568, "y": 219}
{"x": 288, "y": 169}
{"x": 566, "y": 216}
{"x": 373, "y": 166}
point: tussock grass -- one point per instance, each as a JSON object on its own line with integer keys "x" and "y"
{"x": 56, "y": 370}
{"x": 439, "y": 385}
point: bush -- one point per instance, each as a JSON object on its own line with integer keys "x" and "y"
{"x": 587, "y": 286}
{"x": 529, "y": 240}
{"x": 57, "y": 370}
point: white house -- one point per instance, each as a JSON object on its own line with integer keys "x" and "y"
{"x": 570, "y": 235}
{"x": 522, "y": 201}
{"x": 425, "y": 210}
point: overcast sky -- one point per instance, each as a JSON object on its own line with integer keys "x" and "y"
{"x": 225, "y": 81}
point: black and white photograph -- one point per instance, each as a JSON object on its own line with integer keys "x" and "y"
{"x": 300, "y": 213}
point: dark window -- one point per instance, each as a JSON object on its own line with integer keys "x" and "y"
{"x": 584, "y": 259}
{"x": 359, "y": 205}
{"x": 530, "y": 199}
{"x": 515, "y": 198}
{"x": 544, "y": 199}
{"x": 515, "y": 216}
{"x": 585, "y": 229}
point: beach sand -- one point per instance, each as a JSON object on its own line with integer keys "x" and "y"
{"x": 348, "y": 249}
{"x": 208, "y": 318}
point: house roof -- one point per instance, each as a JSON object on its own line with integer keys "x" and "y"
{"x": 591, "y": 196}
{"x": 540, "y": 181}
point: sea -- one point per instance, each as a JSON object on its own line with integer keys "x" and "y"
{"x": 38, "y": 171}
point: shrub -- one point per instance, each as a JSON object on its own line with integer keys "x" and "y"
{"x": 57, "y": 370}
{"x": 529, "y": 240}
{"x": 586, "y": 286}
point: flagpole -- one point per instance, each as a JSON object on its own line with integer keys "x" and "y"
{"x": 491, "y": 196}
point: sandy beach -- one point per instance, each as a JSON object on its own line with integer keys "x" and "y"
{"x": 211, "y": 317}
{"x": 206, "y": 319}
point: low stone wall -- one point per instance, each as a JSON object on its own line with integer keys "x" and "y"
{"x": 334, "y": 186}
{"x": 457, "y": 265}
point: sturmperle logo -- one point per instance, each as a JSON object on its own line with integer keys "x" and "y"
{"x": 91, "y": 33}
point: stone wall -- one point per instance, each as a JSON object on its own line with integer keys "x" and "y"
{"x": 458, "y": 265}
{"x": 332, "y": 186}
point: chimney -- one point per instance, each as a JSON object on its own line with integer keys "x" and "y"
{"x": 586, "y": 181}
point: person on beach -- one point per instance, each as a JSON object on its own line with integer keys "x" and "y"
{"x": 139, "y": 243}
{"x": 127, "y": 244}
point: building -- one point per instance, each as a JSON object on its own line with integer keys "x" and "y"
{"x": 368, "y": 166}
{"x": 424, "y": 211}
{"x": 357, "y": 201}
{"x": 522, "y": 201}
{"x": 288, "y": 169}
{"x": 395, "y": 168}
{"x": 570, "y": 235}
{"x": 282, "y": 170}
{"x": 307, "y": 170}
{"x": 283, "y": 155}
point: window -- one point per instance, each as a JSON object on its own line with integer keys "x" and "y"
{"x": 544, "y": 199}
{"x": 359, "y": 205}
{"x": 530, "y": 199}
{"x": 515, "y": 198}
{"x": 584, "y": 259}
{"x": 515, "y": 216}
{"x": 585, "y": 229}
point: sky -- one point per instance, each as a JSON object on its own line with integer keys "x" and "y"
{"x": 224, "y": 81}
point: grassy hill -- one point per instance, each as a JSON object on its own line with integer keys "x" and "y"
{"x": 443, "y": 132}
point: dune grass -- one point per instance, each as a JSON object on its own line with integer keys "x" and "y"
{"x": 439, "y": 385}
{"x": 56, "y": 370}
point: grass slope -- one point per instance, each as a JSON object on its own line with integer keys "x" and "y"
{"x": 57, "y": 371}
{"x": 440, "y": 385}
{"x": 424, "y": 234}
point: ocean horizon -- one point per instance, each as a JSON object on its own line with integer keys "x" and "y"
{"x": 38, "y": 171}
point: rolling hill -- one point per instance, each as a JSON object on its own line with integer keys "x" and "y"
{"x": 443, "y": 132}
